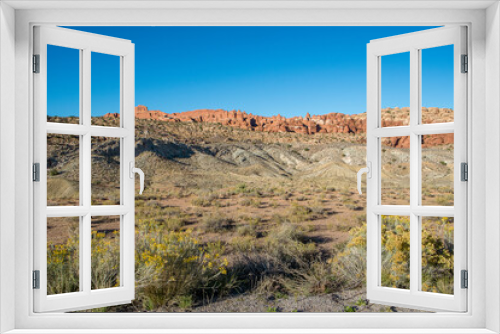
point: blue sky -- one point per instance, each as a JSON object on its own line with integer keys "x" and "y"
{"x": 261, "y": 70}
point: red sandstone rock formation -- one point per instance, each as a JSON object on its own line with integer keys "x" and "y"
{"x": 327, "y": 123}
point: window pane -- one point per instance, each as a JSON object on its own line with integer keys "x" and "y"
{"x": 63, "y": 170}
{"x": 105, "y": 89}
{"x": 105, "y": 171}
{"x": 63, "y": 249}
{"x": 63, "y": 84}
{"x": 105, "y": 252}
{"x": 437, "y": 169}
{"x": 395, "y": 89}
{"x": 437, "y": 254}
{"x": 395, "y": 234}
{"x": 437, "y": 84}
{"x": 395, "y": 170}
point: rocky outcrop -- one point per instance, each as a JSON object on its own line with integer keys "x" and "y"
{"x": 327, "y": 123}
{"x": 142, "y": 112}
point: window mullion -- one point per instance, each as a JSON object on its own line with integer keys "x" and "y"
{"x": 414, "y": 171}
{"x": 86, "y": 230}
{"x": 86, "y": 153}
{"x": 86, "y": 180}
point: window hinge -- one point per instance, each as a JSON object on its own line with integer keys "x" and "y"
{"x": 36, "y": 63}
{"x": 36, "y": 172}
{"x": 465, "y": 279}
{"x": 36, "y": 279}
{"x": 465, "y": 64}
{"x": 464, "y": 171}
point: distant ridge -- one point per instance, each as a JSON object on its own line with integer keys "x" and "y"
{"x": 327, "y": 123}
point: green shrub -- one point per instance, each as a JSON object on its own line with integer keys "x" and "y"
{"x": 216, "y": 223}
{"x": 247, "y": 230}
{"x": 445, "y": 200}
{"x": 203, "y": 202}
{"x": 185, "y": 302}
{"x": 246, "y": 202}
{"x": 174, "y": 223}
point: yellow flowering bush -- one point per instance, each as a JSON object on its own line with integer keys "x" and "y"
{"x": 395, "y": 234}
{"x": 168, "y": 264}
{"x": 63, "y": 266}
{"x": 105, "y": 260}
{"x": 437, "y": 254}
{"x": 63, "y": 263}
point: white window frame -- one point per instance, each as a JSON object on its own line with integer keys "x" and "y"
{"x": 484, "y": 83}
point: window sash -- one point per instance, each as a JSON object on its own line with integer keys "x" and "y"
{"x": 86, "y": 298}
{"x": 413, "y": 43}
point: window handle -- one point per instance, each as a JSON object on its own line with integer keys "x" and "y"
{"x": 368, "y": 171}
{"x": 134, "y": 170}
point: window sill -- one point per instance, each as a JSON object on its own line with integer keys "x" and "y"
{"x": 250, "y": 331}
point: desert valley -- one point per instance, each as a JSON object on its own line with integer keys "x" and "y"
{"x": 245, "y": 213}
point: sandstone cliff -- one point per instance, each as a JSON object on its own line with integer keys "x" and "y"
{"x": 327, "y": 123}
